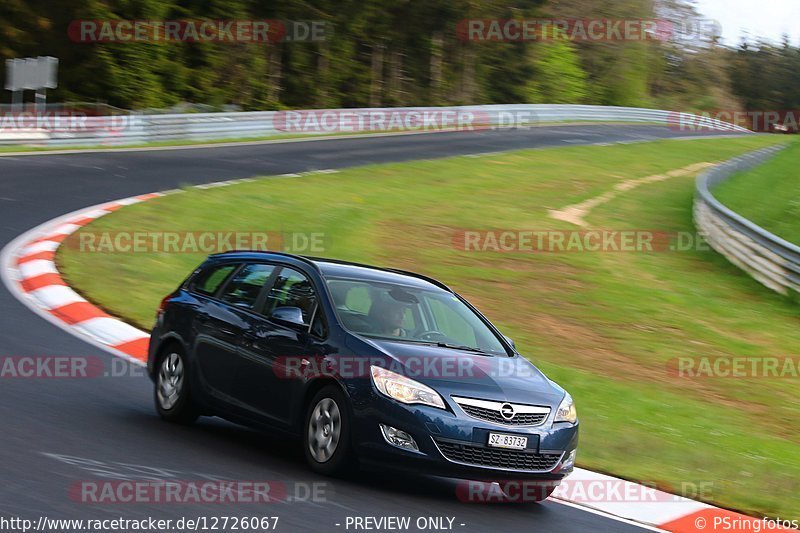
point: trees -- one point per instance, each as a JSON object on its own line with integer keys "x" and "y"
{"x": 558, "y": 76}
{"x": 765, "y": 75}
{"x": 398, "y": 52}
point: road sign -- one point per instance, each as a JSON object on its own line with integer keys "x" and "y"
{"x": 31, "y": 73}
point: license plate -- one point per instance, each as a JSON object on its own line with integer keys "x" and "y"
{"x": 498, "y": 440}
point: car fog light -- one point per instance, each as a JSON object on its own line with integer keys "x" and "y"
{"x": 569, "y": 460}
{"x": 399, "y": 438}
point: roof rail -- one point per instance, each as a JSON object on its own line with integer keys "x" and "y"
{"x": 310, "y": 260}
{"x": 301, "y": 258}
{"x": 383, "y": 269}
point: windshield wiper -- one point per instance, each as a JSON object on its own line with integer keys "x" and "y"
{"x": 463, "y": 347}
{"x": 399, "y": 339}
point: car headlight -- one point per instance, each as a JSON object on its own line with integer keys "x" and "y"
{"x": 566, "y": 411}
{"x": 404, "y": 389}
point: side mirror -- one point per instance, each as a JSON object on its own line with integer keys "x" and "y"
{"x": 289, "y": 316}
{"x": 511, "y": 342}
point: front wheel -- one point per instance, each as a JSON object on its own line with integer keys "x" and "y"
{"x": 327, "y": 433}
{"x": 172, "y": 394}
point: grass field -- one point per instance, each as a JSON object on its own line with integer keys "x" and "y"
{"x": 769, "y": 195}
{"x": 602, "y": 324}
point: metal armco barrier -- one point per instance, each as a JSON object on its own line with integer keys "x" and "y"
{"x": 772, "y": 261}
{"x": 138, "y": 129}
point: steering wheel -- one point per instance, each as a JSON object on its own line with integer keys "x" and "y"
{"x": 428, "y": 335}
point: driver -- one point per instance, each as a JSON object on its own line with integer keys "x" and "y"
{"x": 388, "y": 318}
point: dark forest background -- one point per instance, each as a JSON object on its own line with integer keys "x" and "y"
{"x": 397, "y": 53}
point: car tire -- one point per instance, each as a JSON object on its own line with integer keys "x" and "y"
{"x": 172, "y": 388}
{"x": 326, "y": 433}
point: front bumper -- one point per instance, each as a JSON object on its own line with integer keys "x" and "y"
{"x": 453, "y": 444}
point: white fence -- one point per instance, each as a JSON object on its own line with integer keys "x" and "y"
{"x": 121, "y": 129}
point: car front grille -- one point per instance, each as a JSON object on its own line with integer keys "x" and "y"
{"x": 521, "y": 419}
{"x": 473, "y": 455}
{"x": 492, "y": 411}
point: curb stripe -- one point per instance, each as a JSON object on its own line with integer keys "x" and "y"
{"x": 56, "y": 296}
{"x": 55, "y": 237}
{"x": 46, "y": 256}
{"x": 39, "y": 282}
{"x": 78, "y": 312}
{"x": 38, "y": 267}
{"x": 110, "y": 331}
{"x": 136, "y": 349}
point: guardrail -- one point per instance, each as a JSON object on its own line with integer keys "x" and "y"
{"x": 772, "y": 261}
{"x": 123, "y": 129}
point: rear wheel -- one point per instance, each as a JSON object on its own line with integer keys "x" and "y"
{"x": 172, "y": 394}
{"x": 327, "y": 433}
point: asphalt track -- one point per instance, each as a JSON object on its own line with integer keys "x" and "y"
{"x": 107, "y": 425}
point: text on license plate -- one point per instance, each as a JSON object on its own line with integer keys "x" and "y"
{"x": 498, "y": 440}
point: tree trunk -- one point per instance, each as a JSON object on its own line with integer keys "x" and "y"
{"x": 376, "y": 87}
{"x": 437, "y": 45}
{"x": 275, "y": 66}
{"x": 395, "y": 89}
{"x": 323, "y": 98}
{"x": 468, "y": 75}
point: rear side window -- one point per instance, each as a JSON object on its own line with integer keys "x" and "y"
{"x": 245, "y": 286}
{"x": 212, "y": 278}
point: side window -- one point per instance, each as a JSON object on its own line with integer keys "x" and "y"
{"x": 292, "y": 289}
{"x": 212, "y": 278}
{"x": 245, "y": 286}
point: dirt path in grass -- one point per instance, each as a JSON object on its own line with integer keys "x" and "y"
{"x": 577, "y": 213}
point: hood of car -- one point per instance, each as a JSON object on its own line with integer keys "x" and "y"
{"x": 467, "y": 374}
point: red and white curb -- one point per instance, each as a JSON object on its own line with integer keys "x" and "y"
{"x": 30, "y": 273}
{"x": 28, "y": 269}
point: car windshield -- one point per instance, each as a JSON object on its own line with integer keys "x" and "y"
{"x": 411, "y": 314}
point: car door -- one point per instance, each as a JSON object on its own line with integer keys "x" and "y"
{"x": 272, "y": 347}
{"x": 220, "y": 325}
